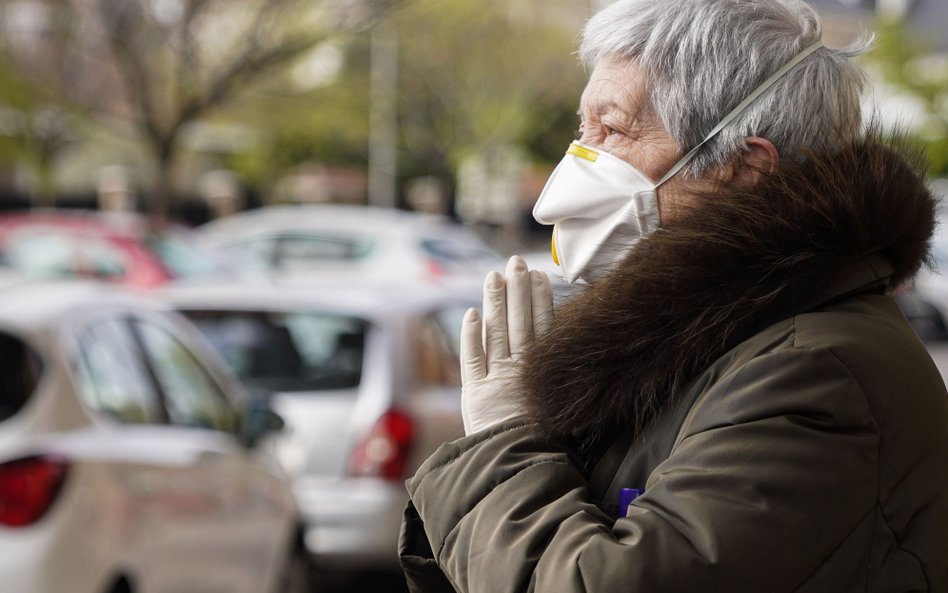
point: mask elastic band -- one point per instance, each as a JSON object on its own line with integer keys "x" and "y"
{"x": 763, "y": 88}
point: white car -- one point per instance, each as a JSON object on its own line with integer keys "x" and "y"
{"x": 346, "y": 244}
{"x": 367, "y": 382}
{"x": 924, "y": 300}
{"x": 125, "y": 466}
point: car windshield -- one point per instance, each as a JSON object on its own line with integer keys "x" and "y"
{"x": 20, "y": 370}
{"x": 287, "y": 351}
{"x": 181, "y": 258}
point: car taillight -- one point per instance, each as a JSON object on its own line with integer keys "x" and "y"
{"x": 435, "y": 269}
{"x": 28, "y": 488}
{"x": 384, "y": 451}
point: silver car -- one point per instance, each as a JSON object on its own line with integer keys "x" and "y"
{"x": 368, "y": 385}
{"x": 125, "y": 465}
{"x": 347, "y": 244}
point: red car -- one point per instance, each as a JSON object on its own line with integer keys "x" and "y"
{"x": 114, "y": 248}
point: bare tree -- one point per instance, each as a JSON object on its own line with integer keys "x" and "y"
{"x": 48, "y": 84}
{"x": 180, "y": 59}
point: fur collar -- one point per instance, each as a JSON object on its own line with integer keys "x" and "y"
{"x": 730, "y": 268}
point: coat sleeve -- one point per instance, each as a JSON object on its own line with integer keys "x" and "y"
{"x": 775, "y": 468}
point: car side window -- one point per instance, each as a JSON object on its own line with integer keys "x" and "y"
{"x": 301, "y": 251}
{"x": 113, "y": 378}
{"x": 192, "y": 396}
{"x": 436, "y": 346}
{"x": 42, "y": 254}
{"x": 256, "y": 254}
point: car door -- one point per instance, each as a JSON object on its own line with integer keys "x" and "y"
{"x": 152, "y": 496}
{"x": 242, "y": 513}
{"x": 191, "y": 510}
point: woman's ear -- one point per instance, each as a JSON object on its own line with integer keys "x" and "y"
{"x": 761, "y": 157}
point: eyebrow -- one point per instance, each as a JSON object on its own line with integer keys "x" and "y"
{"x": 607, "y": 106}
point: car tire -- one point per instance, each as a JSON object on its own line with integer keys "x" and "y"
{"x": 121, "y": 585}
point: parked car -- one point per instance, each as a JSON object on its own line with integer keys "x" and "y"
{"x": 924, "y": 300}
{"x": 346, "y": 243}
{"x": 113, "y": 247}
{"x": 367, "y": 382}
{"x": 125, "y": 466}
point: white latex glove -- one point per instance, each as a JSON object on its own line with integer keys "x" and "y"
{"x": 514, "y": 308}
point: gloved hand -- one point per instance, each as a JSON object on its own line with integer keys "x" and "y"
{"x": 514, "y": 308}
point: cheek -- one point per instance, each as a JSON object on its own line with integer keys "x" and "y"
{"x": 653, "y": 159}
{"x": 636, "y": 153}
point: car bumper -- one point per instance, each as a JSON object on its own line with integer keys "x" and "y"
{"x": 352, "y": 523}
{"x": 39, "y": 560}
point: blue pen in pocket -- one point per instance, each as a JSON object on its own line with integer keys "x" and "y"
{"x": 626, "y": 496}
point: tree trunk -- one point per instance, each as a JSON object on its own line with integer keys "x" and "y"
{"x": 158, "y": 206}
{"x": 44, "y": 193}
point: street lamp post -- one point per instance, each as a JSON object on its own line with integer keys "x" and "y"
{"x": 383, "y": 117}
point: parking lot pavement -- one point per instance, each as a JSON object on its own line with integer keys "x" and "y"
{"x": 376, "y": 582}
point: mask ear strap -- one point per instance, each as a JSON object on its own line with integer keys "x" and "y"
{"x": 763, "y": 88}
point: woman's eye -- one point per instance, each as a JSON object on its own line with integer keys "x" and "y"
{"x": 610, "y": 131}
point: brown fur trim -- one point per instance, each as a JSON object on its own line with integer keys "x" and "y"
{"x": 726, "y": 270}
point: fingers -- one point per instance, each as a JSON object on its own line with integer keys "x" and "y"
{"x": 542, "y": 298}
{"x": 519, "y": 307}
{"x": 495, "y": 319}
{"x": 473, "y": 361}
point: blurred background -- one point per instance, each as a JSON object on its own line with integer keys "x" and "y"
{"x": 236, "y": 241}
{"x": 195, "y": 109}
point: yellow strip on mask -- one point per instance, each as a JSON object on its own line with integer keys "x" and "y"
{"x": 587, "y": 154}
{"x": 556, "y": 258}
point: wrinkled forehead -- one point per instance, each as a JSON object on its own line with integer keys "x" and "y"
{"x": 615, "y": 85}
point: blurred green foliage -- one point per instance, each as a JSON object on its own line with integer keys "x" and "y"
{"x": 478, "y": 75}
{"x": 473, "y": 75}
{"x": 911, "y": 63}
{"x": 328, "y": 124}
{"x": 35, "y": 125}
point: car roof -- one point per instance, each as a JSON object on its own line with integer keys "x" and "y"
{"x": 36, "y": 305}
{"x": 370, "y": 302}
{"x": 324, "y": 217}
{"x": 110, "y": 224}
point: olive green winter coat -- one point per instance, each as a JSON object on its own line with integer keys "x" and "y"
{"x": 747, "y": 370}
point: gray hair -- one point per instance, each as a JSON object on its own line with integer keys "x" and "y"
{"x": 703, "y": 57}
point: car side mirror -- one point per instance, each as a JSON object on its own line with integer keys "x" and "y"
{"x": 259, "y": 420}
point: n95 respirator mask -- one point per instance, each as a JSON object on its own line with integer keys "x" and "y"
{"x": 600, "y": 206}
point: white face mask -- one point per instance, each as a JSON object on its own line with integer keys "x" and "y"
{"x": 602, "y": 206}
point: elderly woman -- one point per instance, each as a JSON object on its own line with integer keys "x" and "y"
{"x": 733, "y": 404}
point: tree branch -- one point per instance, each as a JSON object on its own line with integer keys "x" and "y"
{"x": 245, "y": 71}
{"x": 120, "y": 27}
